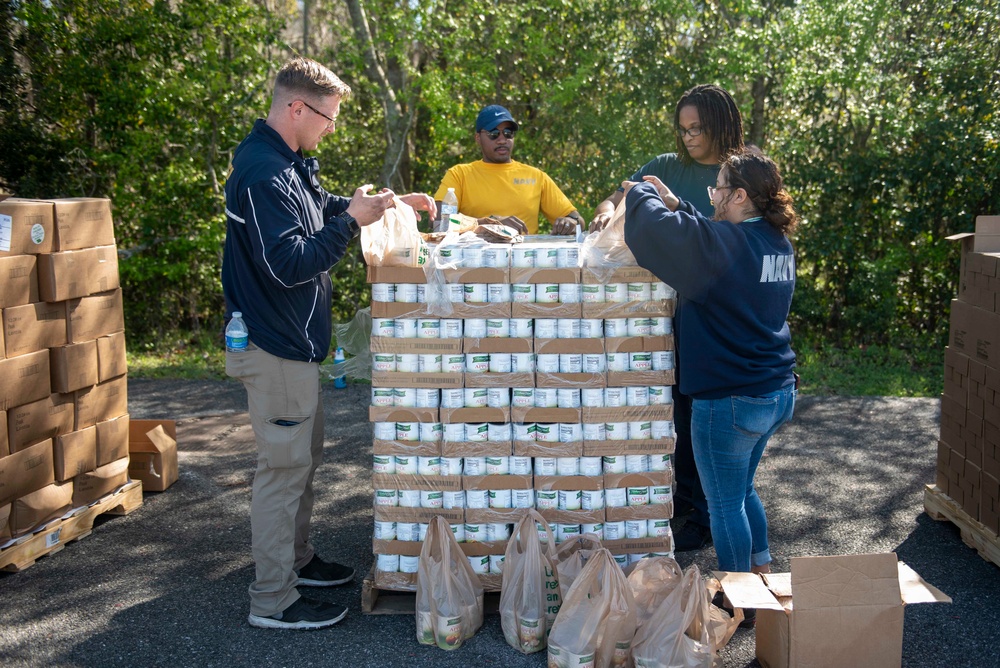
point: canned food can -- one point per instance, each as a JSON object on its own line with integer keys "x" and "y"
{"x": 545, "y": 466}
{"x": 453, "y": 364}
{"x": 571, "y": 363}
{"x": 409, "y": 498}
{"x": 591, "y": 328}
{"x": 383, "y": 362}
{"x": 615, "y": 327}
{"x": 451, "y": 328}
{"x": 500, "y": 431}
{"x": 547, "y": 363}
{"x": 421, "y": 293}
{"x": 661, "y": 429}
{"x": 545, "y": 328}
{"x": 405, "y": 328}
{"x": 570, "y": 432}
{"x": 477, "y": 362}
{"x": 614, "y": 531}
{"x": 592, "y": 293}
{"x": 522, "y": 362}
{"x": 475, "y": 498}
{"x": 383, "y": 396}
{"x": 591, "y": 466}
{"x": 568, "y": 398}
{"x": 454, "y": 432}
{"x": 498, "y": 530}
{"x": 383, "y": 292}
{"x": 497, "y": 397}
{"x": 499, "y": 498}
{"x": 520, "y": 465}
{"x": 524, "y": 431}
{"x": 570, "y": 499}
{"x": 428, "y": 397}
{"x": 640, "y": 430}
{"x": 522, "y": 257}
{"x": 474, "y": 533}
{"x": 594, "y": 431}
{"x": 546, "y": 397}
{"x": 472, "y": 256}
{"x": 617, "y": 361}
{"x": 637, "y": 396}
{"x": 407, "y": 362}
{"x": 615, "y": 293}
{"x": 406, "y": 464}
{"x": 640, "y": 361}
{"x": 635, "y": 529}
{"x": 592, "y": 397}
{"x": 638, "y": 496}
{"x": 660, "y": 290}
{"x": 453, "y": 397}
{"x": 431, "y": 499}
{"x": 664, "y": 359}
{"x": 615, "y": 497}
{"x": 546, "y": 432}
{"x": 567, "y": 466}
{"x": 658, "y": 326}
{"x": 547, "y": 257}
{"x": 546, "y": 499}
{"x": 431, "y": 432}
{"x": 476, "y": 397}
{"x": 568, "y": 256}
{"x": 458, "y": 530}
{"x": 658, "y": 528}
{"x": 592, "y": 499}
{"x": 384, "y": 431}
{"x": 636, "y": 463}
{"x": 480, "y": 565}
{"x": 498, "y": 466}
{"x": 639, "y": 292}
{"x": 566, "y": 531}
{"x": 475, "y": 328}
{"x": 597, "y": 528}
{"x": 547, "y": 293}
{"x": 521, "y": 328}
{"x": 522, "y": 293}
{"x": 523, "y": 498}
{"x": 405, "y": 397}
{"x": 429, "y": 466}
{"x": 616, "y": 431}
{"x": 383, "y": 464}
{"x": 429, "y": 363}
{"x": 569, "y": 293}
{"x": 613, "y": 463}
{"x": 567, "y": 328}
{"x": 455, "y": 292}
{"x": 638, "y": 326}
{"x": 523, "y": 396}
{"x": 452, "y": 466}
{"x": 387, "y": 563}
{"x": 384, "y": 327}
{"x": 594, "y": 363}
{"x": 498, "y": 293}
{"x": 477, "y": 432}
{"x": 659, "y": 461}
{"x": 660, "y": 494}
{"x": 428, "y": 328}
{"x": 500, "y": 363}
{"x": 496, "y": 564}
{"x": 407, "y": 431}
{"x": 406, "y": 292}
{"x": 660, "y": 395}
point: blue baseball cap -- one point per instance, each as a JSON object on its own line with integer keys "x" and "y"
{"x": 492, "y": 116}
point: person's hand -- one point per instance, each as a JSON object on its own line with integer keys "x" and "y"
{"x": 509, "y": 221}
{"x": 670, "y": 200}
{"x": 564, "y": 225}
{"x": 421, "y": 202}
{"x": 366, "y": 208}
{"x": 599, "y": 222}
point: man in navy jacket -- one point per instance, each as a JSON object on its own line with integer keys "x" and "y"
{"x": 284, "y": 232}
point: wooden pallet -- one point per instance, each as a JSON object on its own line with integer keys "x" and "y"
{"x": 55, "y": 536}
{"x": 376, "y": 601}
{"x": 939, "y": 506}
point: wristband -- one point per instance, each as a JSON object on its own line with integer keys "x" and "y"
{"x": 351, "y": 222}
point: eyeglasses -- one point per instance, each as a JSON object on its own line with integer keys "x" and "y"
{"x": 493, "y": 134}
{"x": 690, "y": 132}
{"x": 332, "y": 121}
{"x": 713, "y": 189}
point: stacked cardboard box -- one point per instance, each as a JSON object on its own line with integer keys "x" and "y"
{"x": 64, "y": 433}
{"x": 968, "y": 467}
{"x": 464, "y": 404}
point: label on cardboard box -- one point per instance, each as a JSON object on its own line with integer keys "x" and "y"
{"x": 657, "y": 307}
{"x": 26, "y": 226}
{"x": 33, "y": 327}
{"x": 418, "y": 380}
{"x": 569, "y": 346}
{"x": 634, "y": 447}
{"x": 444, "y": 483}
{"x": 384, "y": 344}
{"x": 630, "y": 274}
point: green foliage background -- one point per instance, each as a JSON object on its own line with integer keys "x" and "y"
{"x": 884, "y": 119}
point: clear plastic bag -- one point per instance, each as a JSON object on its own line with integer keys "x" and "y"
{"x": 571, "y": 556}
{"x": 596, "y": 622}
{"x": 676, "y": 633}
{"x": 394, "y": 240}
{"x": 652, "y": 581}
{"x": 529, "y": 595}
{"x": 355, "y": 338}
{"x": 449, "y": 597}
{"x": 605, "y": 251}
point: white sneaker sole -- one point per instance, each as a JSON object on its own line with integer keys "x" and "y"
{"x": 305, "y": 582}
{"x": 269, "y": 623}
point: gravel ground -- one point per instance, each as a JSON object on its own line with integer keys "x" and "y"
{"x": 166, "y": 585}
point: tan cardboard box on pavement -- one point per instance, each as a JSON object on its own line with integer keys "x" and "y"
{"x": 152, "y": 448}
{"x": 848, "y": 610}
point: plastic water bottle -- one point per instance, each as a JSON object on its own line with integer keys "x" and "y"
{"x": 339, "y": 373}
{"x": 237, "y": 335}
{"x": 449, "y": 205}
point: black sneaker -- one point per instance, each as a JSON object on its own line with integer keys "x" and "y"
{"x": 305, "y": 613}
{"x": 319, "y": 573}
{"x": 692, "y": 536}
{"x": 682, "y": 508}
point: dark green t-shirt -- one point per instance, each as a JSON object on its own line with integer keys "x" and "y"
{"x": 688, "y": 182}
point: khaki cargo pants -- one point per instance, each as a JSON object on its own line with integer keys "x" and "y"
{"x": 287, "y": 418}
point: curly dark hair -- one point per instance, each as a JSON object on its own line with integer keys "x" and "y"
{"x": 720, "y": 119}
{"x": 757, "y": 174}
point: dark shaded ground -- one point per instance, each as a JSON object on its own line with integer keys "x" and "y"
{"x": 166, "y": 585}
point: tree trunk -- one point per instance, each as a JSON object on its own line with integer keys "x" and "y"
{"x": 758, "y": 123}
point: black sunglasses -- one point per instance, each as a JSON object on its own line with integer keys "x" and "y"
{"x": 331, "y": 121}
{"x": 493, "y": 134}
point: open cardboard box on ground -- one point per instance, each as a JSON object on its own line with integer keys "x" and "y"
{"x": 152, "y": 449}
{"x": 848, "y": 609}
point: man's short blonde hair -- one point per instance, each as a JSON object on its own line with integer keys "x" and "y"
{"x": 306, "y": 77}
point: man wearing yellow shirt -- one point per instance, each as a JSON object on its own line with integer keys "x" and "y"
{"x": 500, "y": 186}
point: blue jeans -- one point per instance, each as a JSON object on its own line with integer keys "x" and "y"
{"x": 729, "y": 437}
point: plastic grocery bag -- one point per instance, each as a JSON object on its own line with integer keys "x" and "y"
{"x": 605, "y": 251}
{"x": 571, "y": 556}
{"x": 676, "y": 633}
{"x": 652, "y": 580}
{"x": 596, "y": 623}
{"x": 394, "y": 240}
{"x": 529, "y": 594}
{"x": 449, "y": 595}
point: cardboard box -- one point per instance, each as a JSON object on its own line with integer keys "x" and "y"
{"x": 83, "y": 222}
{"x": 544, "y": 275}
{"x": 27, "y": 227}
{"x": 396, "y": 275}
{"x": 486, "y": 414}
{"x": 402, "y": 414}
{"x": 4, "y": 443}
{"x": 619, "y": 275}
{"x": 153, "y": 453}
{"x": 92, "y": 485}
{"x": 25, "y": 379}
{"x": 113, "y": 440}
{"x": 631, "y": 447}
{"x": 491, "y": 379}
{"x": 410, "y": 448}
{"x": 574, "y": 380}
{"x": 496, "y": 345}
{"x": 444, "y": 483}
{"x": 94, "y": 316}
{"x": 406, "y": 379}
{"x": 101, "y": 402}
{"x": 73, "y": 366}
{"x": 4, "y": 522}
{"x": 33, "y": 327}
{"x": 382, "y": 344}
{"x": 111, "y": 359}
{"x": 663, "y": 308}
{"x": 74, "y": 453}
{"x": 39, "y": 420}
{"x": 26, "y": 471}
{"x": 987, "y": 234}
{"x": 77, "y": 273}
{"x": 848, "y": 610}
{"x": 35, "y": 509}
{"x": 18, "y": 280}
{"x": 477, "y": 449}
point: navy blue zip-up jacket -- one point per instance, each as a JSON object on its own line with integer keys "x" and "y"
{"x": 736, "y": 283}
{"x": 282, "y": 237}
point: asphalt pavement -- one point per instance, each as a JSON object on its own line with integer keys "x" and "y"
{"x": 166, "y": 585}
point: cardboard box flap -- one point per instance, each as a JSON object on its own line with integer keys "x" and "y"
{"x": 747, "y": 590}
{"x": 159, "y": 439}
{"x": 914, "y": 589}
{"x": 869, "y": 580}
{"x": 960, "y": 236}
{"x": 780, "y": 584}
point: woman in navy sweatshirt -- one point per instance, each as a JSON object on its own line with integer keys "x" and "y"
{"x": 735, "y": 276}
